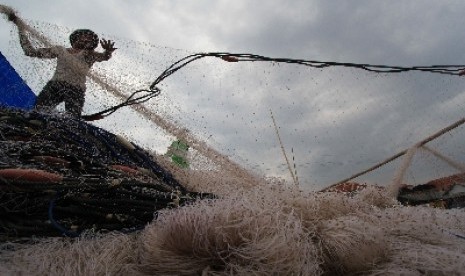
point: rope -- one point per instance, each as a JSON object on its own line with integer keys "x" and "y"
{"x": 294, "y": 177}
{"x": 393, "y": 189}
{"x": 153, "y": 91}
{"x": 450, "y": 162}
{"x": 395, "y": 156}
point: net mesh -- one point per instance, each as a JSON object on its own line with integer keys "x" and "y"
{"x": 242, "y": 124}
{"x": 332, "y": 121}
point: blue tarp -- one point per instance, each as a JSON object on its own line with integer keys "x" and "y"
{"x": 14, "y": 92}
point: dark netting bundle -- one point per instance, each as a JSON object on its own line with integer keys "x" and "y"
{"x": 60, "y": 176}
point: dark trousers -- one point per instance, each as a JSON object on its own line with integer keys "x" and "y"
{"x": 55, "y": 92}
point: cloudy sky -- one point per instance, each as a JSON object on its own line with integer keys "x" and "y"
{"x": 333, "y": 122}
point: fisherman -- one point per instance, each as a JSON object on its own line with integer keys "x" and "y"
{"x": 68, "y": 83}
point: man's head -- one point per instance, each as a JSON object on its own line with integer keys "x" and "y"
{"x": 83, "y": 39}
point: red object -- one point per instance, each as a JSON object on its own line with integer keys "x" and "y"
{"x": 30, "y": 175}
{"x": 230, "y": 58}
{"x": 446, "y": 183}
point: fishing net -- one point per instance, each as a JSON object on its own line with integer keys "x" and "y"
{"x": 66, "y": 178}
{"x": 257, "y": 132}
{"x": 330, "y": 122}
{"x": 268, "y": 230}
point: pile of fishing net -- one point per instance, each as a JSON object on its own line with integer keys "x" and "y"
{"x": 61, "y": 176}
{"x": 78, "y": 179}
{"x": 133, "y": 216}
{"x": 271, "y": 229}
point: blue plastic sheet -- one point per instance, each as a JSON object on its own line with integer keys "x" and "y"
{"x": 14, "y": 92}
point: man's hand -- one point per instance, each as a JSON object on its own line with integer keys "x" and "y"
{"x": 108, "y": 45}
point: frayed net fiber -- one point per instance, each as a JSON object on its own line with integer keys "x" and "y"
{"x": 111, "y": 254}
{"x": 272, "y": 230}
{"x": 241, "y": 235}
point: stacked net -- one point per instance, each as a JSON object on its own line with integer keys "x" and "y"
{"x": 270, "y": 230}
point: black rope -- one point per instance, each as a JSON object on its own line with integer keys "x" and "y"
{"x": 150, "y": 93}
{"x": 153, "y": 91}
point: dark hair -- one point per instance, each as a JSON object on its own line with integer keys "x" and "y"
{"x": 77, "y": 34}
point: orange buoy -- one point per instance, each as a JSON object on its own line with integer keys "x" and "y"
{"x": 30, "y": 175}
